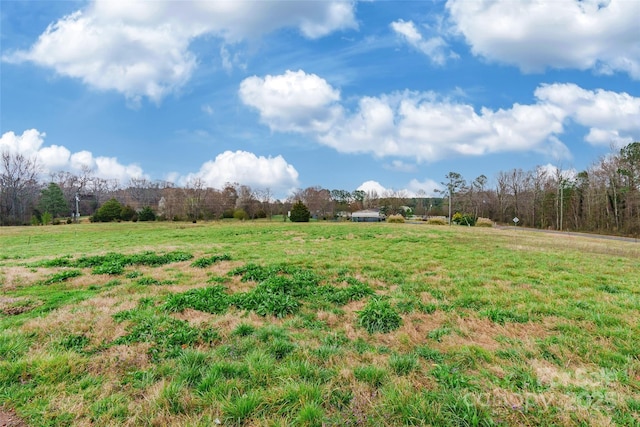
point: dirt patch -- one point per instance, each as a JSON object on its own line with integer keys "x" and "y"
{"x": 14, "y": 306}
{"x": 8, "y": 418}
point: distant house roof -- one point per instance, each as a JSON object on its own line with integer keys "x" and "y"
{"x": 367, "y": 213}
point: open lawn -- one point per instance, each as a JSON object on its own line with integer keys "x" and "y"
{"x": 270, "y": 323}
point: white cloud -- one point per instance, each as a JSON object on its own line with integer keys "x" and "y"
{"x": 612, "y": 117}
{"x": 584, "y": 34}
{"x": 400, "y": 166}
{"x": 27, "y": 144}
{"x": 434, "y": 47}
{"x": 427, "y": 127}
{"x": 141, "y": 48}
{"x": 57, "y": 158}
{"x": 293, "y": 101}
{"x": 372, "y": 187}
{"x": 421, "y": 126}
{"x": 552, "y": 171}
{"x": 429, "y": 186}
{"x": 247, "y": 169}
{"x": 415, "y": 188}
{"x": 207, "y": 109}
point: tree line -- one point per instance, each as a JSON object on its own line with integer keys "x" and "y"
{"x": 604, "y": 198}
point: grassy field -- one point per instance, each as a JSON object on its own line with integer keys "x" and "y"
{"x": 317, "y": 324}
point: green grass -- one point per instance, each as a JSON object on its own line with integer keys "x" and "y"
{"x": 273, "y": 323}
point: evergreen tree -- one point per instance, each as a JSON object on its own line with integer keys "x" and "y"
{"x": 299, "y": 212}
{"x": 52, "y": 200}
{"x": 146, "y": 214}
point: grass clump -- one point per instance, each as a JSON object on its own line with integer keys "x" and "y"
{"x": 264, "y": 302}
{"x": 438, "y": 333}
{"x": 379, "y": 316}
{"x": 113, "y": 268}
{"x": 113, "y": 259}
{"x": 501, "y": 316}
{"x": 397, "y": 218}
{"x": 451, "y": 377}
{"x": 212, "y": 300}
{"x": 61, "y": 276}
{"x": 403, "y": 364}
{"x": 208, "y": 261}
{"x": 356, "y": 291}
{"x": 75, "y": 343}
{"x": 437, "y": 221}
{"x": 484, "y": 222}
{"x": 167, "y": 336}
{"x": 240, "y": 409}
{"x": 371, "y": 375}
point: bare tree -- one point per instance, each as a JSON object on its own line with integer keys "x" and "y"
{"x": 19, "y": 188}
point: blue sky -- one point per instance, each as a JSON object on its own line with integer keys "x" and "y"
{"x": 375, "y": 95}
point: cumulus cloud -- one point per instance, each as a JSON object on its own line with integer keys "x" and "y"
{"x": 293, "y": 101}
{"x": 533, "y": 35}
{"x": 247, "y": 169}
{"x": 434, "y": 47}
{"x": 141, "y": 48}
{"x": 54, "y": 158}
{"x": 427, "y": 127}
{"x": 372, "y": 187}
{"x": 611, "y": 116}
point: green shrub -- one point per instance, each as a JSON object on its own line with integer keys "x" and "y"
{"x": 484, "y": 222}
{"x": 395, "y": 218}
{"x": 379, "y": 316}
{"x": 437, "y": 221}
{"x": 464, "y": 219}
{"x": 46, "y": 218}
{"x": 240, "y": 214}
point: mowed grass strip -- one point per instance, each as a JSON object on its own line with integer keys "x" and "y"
{"x": 263, "y": 323}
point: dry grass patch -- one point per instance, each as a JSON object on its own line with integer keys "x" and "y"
{"x": 116, "y": 360}
{"x": 483, "y": 333}
{"x": 413, "y": 331}
{"x": 16, "y": 277}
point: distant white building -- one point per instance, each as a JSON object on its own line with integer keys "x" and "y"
{"x": 368, "y": 215}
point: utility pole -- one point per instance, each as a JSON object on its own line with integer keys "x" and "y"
{"x": 77, "y": 207}
{"x": 561, "y": 203}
